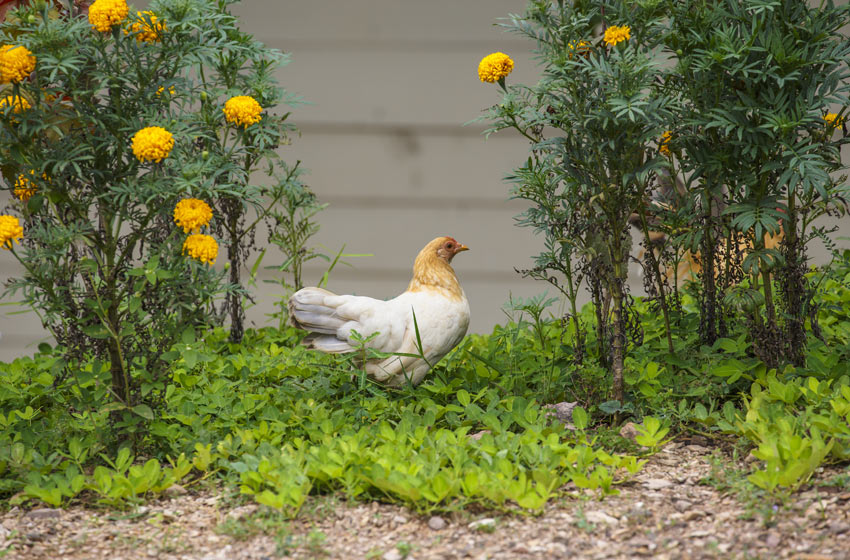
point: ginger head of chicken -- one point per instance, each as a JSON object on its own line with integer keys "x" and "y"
{"x": 446, "y": 247}
{"x": 432, "y": 270}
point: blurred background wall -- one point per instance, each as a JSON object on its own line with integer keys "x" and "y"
{"x": 390, "y": 85}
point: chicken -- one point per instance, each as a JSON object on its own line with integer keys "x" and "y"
{"x": 434, "y": 295}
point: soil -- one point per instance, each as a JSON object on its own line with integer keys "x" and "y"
{"x": 688, "y": 502}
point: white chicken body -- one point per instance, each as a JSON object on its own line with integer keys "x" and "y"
{"x": 434, "y": 296}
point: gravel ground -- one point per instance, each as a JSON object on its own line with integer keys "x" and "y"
{"x": 667, "y": 511}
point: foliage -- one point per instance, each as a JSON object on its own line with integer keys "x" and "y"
{"x": 710, "y": 127}
{"x": 592, "y": 121}
{"x": 105, "y": 266}
{"x": 757, "y": 156}
{"x": 281, "y": 422}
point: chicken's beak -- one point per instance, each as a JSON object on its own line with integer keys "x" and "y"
{"x": 461, "y": 247}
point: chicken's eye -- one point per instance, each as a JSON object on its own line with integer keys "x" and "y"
{"x": 450, "y": 245}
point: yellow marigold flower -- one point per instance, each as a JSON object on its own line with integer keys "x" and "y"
{"x": 192, "y": 214}
{"x": 201, "y": 248}
{"x": 580, "y": 48}
{"x": 662, "y": 144}
{"x": 161, "y": 89}
{"x": 242, "y": 110}
{"x": 17, "y": 103}
{"x": 16, "y": 63}
{"x": 147, "y": 32}
{"x": 152, "y": 143}
{"x": 10, "y": 230}
{"x": 104, "y": 14}
{"x": 616, "y": 34}
{"x": 832, "y": 120}
{"x": 494, "y": 67}
{"x": 24, "y": 186}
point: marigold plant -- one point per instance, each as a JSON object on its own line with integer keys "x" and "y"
{"x": 102, "y": 262}
{"x": 495, "y": 67}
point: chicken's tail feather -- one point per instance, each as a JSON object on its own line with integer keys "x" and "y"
{"x": 326, "y": 343}
{"x": 308, "y": 311}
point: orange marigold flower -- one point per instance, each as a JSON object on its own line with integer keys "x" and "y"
{"x": 104, "y": 14}
{"x": 25, "y": 187}
{"x": 16, "y": 63}
{"x": 17, "y": 103}
{"x": 616, "y": 34}
{"x": 663, "y": 143}
{"x": 192, "y": 214}
{"x": 201, "y": 248}
{"x": 242, "y": 110}
{"x": 832, "y": 120}
{"x": 152, "y": 143}
{"x": 495, "y": 67}
{"x": 10, "y": 231}
{"x": 147, "y": 29}
{"x": 161, "y": 89}
{"x": 581, "y": 48}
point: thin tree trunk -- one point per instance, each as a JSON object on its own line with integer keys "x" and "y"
{"x": 234, "y": 297}
{"x": 659, "y": 284}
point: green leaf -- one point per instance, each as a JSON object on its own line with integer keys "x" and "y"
{"x": 580, "y": 419}
{"x": 144, "y": 411}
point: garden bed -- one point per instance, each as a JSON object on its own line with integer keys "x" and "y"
{"x": 687, "y": 503}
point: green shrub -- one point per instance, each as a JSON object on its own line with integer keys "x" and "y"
{"x": 122, "y": 140}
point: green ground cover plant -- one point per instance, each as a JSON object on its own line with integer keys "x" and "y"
{"x": 281, "y": 422}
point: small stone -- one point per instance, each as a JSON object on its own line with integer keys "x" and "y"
{"x": 437, "y": 523}
{"x": 483, "y": 524}
{"x": 399, "y": 520}
{"x": 562, "y": 411}
{"x": 699, "y": 534}
{"x": 629, "y": 431}
{"x": 773, "y": 540}
{"x": 693, "y": 515}
{"x": 44, "y": 513}
{"x": 600, "y": 517}
{"x": 838, "y": 528}
{"x": 682, "y": 505}
{"x": 168, "y": 516}
{"x": 242, "y": 511}
{"x": 174, "y": 490}
{"x": 392, "y": 555}
{"x": 656, "y": 483}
